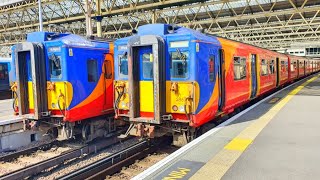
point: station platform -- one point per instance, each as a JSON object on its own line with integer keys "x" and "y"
{"x": 276, "y": 138}
{"x": 6, "y": 111}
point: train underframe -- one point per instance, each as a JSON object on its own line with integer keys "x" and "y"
{"x": 181, "y": 132}
{"x": 87, "y": 130}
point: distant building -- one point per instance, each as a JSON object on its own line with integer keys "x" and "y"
{"x": 311, "y": 49}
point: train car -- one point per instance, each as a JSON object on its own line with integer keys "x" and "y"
{"x": 173, "y": 80}
{"x": 5, "y": 73}
{"x": 64, "y": 84}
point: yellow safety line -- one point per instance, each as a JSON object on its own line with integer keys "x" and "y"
{"x": 221, "y": 162}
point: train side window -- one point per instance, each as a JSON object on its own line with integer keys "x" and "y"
{"x": 179, "y": 64}
{"x": 92, "y": 69}
{"x": 55, "y": 66}
{"x": 2, "y": 72}
{"x": 211, "y": 68}
{"x": 239, "y": 68}
{"x": 271, "y": 66}
{"x": 264, "y": 67}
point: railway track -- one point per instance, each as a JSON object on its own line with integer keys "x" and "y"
{"x": 16, "y": 154}
{"x": 49, "y": 163}
{"x": 115, "y": 162}
{"x": 140, "y": 165}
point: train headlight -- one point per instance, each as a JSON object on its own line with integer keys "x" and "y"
{"x": 53, "y": 105}
{"x": 123, "y": 104}
{"x": 181, "y": 108}
{"x": 175, "y": 108}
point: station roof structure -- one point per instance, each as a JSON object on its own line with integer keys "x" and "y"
{"x": 272, "y": 24}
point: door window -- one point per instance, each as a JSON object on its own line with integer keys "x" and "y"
{"x": 147, "y": 65}
{"x": 123, "y": 66}
{"x": 271, "y": 65}
{"x": 211, "y": 68}
{"x": 264, "y": 67}
{"x": 107, "y": 70}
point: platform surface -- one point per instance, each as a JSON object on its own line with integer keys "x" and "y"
{"x": 6, "y": 111}
{"x": 276, "y": 139}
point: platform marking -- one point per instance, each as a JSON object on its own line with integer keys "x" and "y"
{"x": 274, "y": 100}
{"x": 238, "y": 144}
{"x": 221, "y": 163}
{"x": 181, "y": 170}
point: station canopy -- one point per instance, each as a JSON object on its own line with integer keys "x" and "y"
{"x": 272, "y": 24}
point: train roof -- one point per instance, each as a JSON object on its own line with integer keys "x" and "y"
{"x": 67, "y": 39}
{"x": 171, "y": 30}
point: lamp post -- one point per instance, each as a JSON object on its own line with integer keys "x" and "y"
{"x": 40, "y": 16}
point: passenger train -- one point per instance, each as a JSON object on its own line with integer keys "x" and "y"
{"x": 171, "y": 79}
{"x": 162, "y": 80}
{"x": 64, "y": 84}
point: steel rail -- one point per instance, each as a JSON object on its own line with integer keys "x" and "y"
{"x": 115, "y": 162}
{"x": 43, "y": 165}
{"x": 16, "y": 154}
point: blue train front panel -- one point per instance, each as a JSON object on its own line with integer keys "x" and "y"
{"x": 73, "y": 74}
{"x": 165, "y": 73}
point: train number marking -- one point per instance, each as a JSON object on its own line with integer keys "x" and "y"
{"x": 178, "y": 174}
{"x": 181, "y": 170}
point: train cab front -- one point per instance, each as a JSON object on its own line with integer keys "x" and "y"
{"x": 154, "y": 86}
{"x": 40, "y": 89}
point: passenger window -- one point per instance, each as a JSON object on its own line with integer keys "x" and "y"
{"x": 147, "y": 63}
{"x": 239, "y": 68}
{"x": 107, "y": 70}
{"x": 271, "y": 66}
{"x": 123, "y": 66}
{"x": 264, "y": 67}
{"x": 92, "y": 68}
{"x": 55, "y": 66}
{"x": 179, "y": 64}
{"x": 211, "y": 68}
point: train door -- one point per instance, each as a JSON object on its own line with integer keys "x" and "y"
{"x": 107, "y": 71}
{"x": 31, "y": 79}
{"x": 145, "y": 57}
{"x": 221, "y": 75}
{"x": 298, "y": 68}
{"x": 278, "y": 69}
{"x": 254, "y": 80}
{"x": 305, "y": 66}
{"x": 146, "y": 76}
